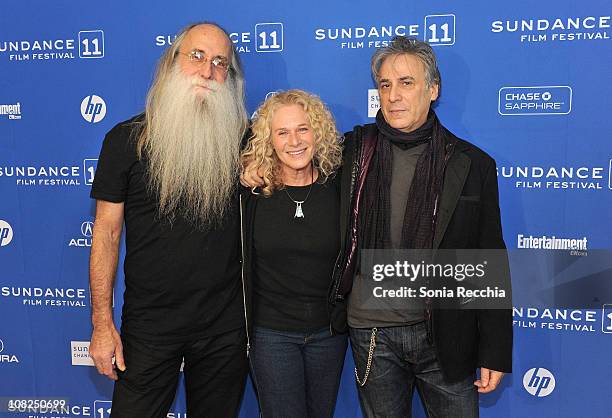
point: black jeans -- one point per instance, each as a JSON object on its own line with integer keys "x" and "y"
{"x": 403, "y": 359}
{"x": 215, "y": 373}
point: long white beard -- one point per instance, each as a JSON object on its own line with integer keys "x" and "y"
{"x": 193, "y": 148}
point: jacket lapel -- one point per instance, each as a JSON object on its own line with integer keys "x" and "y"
{"x": 454, "y": 179}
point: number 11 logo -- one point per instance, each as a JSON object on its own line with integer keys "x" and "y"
{"x": 91, "y": 44}
{"x": 269, "y": 37}
{"x": 606, "y": 319}
{"x": 89, "y": 170}
{"x": 440, "y": 30}
{"x": 102, "y": 409}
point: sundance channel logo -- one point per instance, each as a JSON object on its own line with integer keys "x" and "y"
{"x": 534, "y": 101}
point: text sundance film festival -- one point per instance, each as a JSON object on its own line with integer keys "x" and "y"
{"x": 437, "y": 30}
{"x": 87, "y": 44}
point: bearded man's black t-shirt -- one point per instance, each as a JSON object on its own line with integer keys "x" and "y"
{"x": 180, "y": 282}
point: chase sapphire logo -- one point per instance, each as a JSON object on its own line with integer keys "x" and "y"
{"x": 93, "y": 108}
{"x": 539, "y": 382}
{"x": 536, "y": 100}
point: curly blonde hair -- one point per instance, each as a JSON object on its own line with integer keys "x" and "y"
{"x": 260, "y": 151}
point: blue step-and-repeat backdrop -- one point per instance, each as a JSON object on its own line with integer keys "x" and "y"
{"x": 528, "y": 81}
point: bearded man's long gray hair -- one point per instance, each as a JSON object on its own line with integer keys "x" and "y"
{"x": 191, "y": 143}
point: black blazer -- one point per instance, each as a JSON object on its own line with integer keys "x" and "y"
{"x": 468, "y": 218}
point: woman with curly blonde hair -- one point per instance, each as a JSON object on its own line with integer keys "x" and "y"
{"x": 291, "y": 240}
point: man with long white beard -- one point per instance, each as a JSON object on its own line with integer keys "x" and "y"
{"x": 170, "y": 174}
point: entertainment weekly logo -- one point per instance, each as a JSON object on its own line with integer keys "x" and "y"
{"x": 590, "y": 321}
{"x": 576, "y": 246}
{"x": 11, "y": 111}
{"x": 264, "y": 37}
{"x": 557, "y": 177}
{"x": 87, "y": 44}
{"x": 558, "y": 29}
{"x": 437, "y": 30}
{"x": 31, "y": 176}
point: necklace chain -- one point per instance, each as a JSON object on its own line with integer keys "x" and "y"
{"x": 299, "y": 213}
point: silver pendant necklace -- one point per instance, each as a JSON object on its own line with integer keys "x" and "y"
{"x": 299, "y": 213}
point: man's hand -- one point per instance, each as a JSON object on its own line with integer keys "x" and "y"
{"x": 489, "y": 379}
{"x": 106, "y": 344}
{"x": 251, "y": 177}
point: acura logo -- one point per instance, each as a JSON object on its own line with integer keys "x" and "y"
{"x": 87, "y": 229}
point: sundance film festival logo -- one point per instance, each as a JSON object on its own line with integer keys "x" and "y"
{"x": 46, "y": 296}
{"x": 539, "y": 382}
{"x": 50, "y": 175}
{"x": 85, "y": 239}
{"x": 437, "y": 30}
{"x": 557, "y": 320}
{"x": 265, "y": 37}
{"x": 11, "y": 111}
{"x": 537, "y": 100}
{"x": 87, "y": 44}
{"x": 93, "y": 108}
{"x": 6, "y": 233}
{"x": 554, "y": 29}
{"x": 562, "y": 177}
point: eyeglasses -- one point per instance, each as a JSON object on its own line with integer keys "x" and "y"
{"x": 198, "y": 58}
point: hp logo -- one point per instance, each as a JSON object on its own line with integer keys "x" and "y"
{"x": 87, "y": 229}
{"x": 6, "y": 233}
{"x": 93, "y": 108}
{"x": 1, "y": 346}
{"x": 539, "y": 382}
